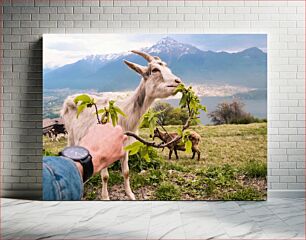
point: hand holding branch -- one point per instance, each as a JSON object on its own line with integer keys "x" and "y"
{"x": 189, "y": 101}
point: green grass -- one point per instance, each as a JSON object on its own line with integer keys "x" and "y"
{"x": 255, "y": 169}
{"x": 168, "y": 191}
{"x": 232, "y": 167}
{"x": 52, "y": 148}
{"x": 151, "y": 177}
{"x": 247, "y": 193}
{"x": 115, "y": 177}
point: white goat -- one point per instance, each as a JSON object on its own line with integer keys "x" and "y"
{"x": 157, "y": 82}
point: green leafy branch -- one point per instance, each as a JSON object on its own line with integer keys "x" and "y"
{"x": 107, "y": 113}
{"x": 151, "y": 120}
{"x": 188, "y": 100}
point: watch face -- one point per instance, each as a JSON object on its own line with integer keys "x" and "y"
{"x": 75, "y": 152}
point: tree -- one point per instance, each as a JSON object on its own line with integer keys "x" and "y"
{"x": 164, "y": 109}
{"x": 168, "y": 115}
{"x": 231, "y": 113}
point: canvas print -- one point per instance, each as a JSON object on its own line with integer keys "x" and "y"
{"x": 194, "y": 108}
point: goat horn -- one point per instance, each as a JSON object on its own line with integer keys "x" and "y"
{"x": 146, "y": 56}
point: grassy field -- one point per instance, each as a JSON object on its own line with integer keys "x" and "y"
{"x": 232, "y": 167}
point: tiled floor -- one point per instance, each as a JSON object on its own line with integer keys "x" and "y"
{"x": 273, "y": 219}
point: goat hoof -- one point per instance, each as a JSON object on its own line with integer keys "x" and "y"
{"x": 105, "y": 197}
{"x": 131, "y": 196}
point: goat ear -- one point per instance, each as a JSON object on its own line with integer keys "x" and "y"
{"x": 137, "y": 68}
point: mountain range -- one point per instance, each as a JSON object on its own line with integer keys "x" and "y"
{"x": 108, "y": 72}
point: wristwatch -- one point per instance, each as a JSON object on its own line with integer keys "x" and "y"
{"x": 81, "y": 155}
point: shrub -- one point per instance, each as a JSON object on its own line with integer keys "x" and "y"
{"x": 232, "y": 113}
{"x": 167, "y": 191}
{"x": 248, "y": 118}
{"x": 137, "y": 164}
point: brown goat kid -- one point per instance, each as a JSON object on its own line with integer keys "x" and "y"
{"x": 167, "y": 137}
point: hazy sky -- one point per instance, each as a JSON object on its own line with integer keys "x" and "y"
{"x": 61, "y": 49}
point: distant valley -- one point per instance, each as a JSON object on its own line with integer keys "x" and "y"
{"x": 53, "y": 98}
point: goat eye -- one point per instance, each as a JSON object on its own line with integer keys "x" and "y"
{"x": 154, "y": 70}
{"x": 160, "y": 64}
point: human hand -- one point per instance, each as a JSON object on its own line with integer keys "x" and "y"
{"x": 105, "y": 144}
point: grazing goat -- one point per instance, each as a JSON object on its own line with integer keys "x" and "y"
{"x": 54, "y": 129}
{"x": 167, "y": 137}
{"x": 157, "y": 81}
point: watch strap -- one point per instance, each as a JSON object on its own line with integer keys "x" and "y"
{"x": 87, "y": 167}
{"x": 85, "y": 162}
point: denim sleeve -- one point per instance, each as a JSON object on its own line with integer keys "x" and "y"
{"x": 61, "y": 179}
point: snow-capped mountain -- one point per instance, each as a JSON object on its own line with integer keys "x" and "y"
{"x": 109, "y": 73}
{"x": 168, "y": 45}
{"x": 104, "y": 58}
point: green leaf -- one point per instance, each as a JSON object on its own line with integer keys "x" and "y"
{"x": 144, "y": 153}
{"x": 188, "y": 146}
{"x": 193, "y": 105}
{"x": 146, "y": 156}
{"x": 180, "y": 132}
{"x": 134, "y": 147}
{"x": 111, "y": 103}
{"x": 183, "y": 101}
{"x": 102, "y": 117}
{"x": 151, "y": 115}
{"x": 190, "y": 100}
{"x": 101, "y": 111}
{"x": 84, "y": 98}
{"x": 203, "y": 108}
{"x": 80, "y": 109}
{"x": 116, "y": 117}
{"x": 197, "y": 121}
{"x": 142, "y": 121}
{"x": 185, "y": 136}
{"x": 152, "y": 126}
{"x": 149, "y": 119}
{"x": 113, "y": 117}
{"x": 180, "y": 88}
{"x": 118, "y": 110}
